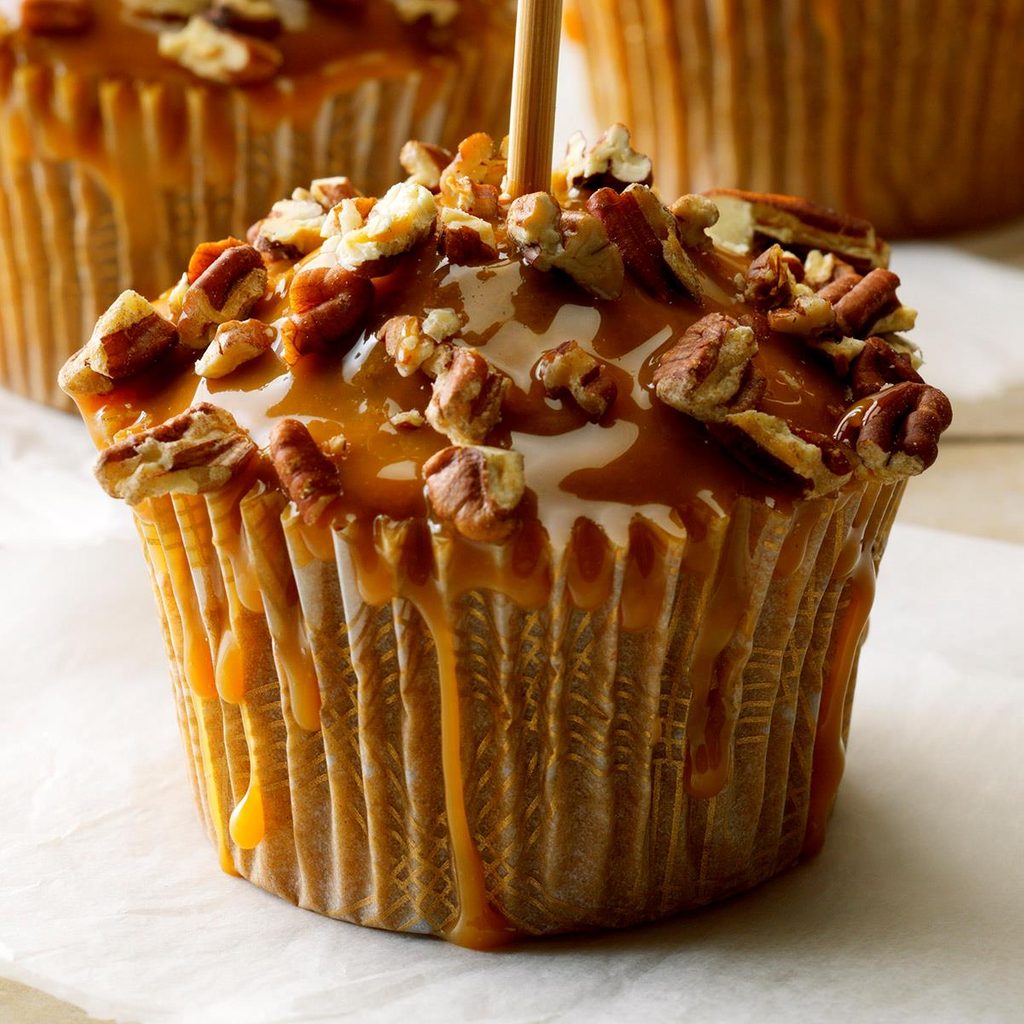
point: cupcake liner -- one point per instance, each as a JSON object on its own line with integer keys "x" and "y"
{"x": 403, "y": 730}
{"x": 911, "y": 116}
{"x": 110, "y": 184}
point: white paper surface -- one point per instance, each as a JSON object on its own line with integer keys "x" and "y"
{"x": 110, "y": 894}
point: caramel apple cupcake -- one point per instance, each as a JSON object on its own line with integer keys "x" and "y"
{"x": 514, "y": 557}
{"x": 132, "y": 130}
{"x": 907, "y": 113}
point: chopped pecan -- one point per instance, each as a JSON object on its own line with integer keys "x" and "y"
{"x": 572, "y": 370}
{"x": 220, "y": 55}
{"x": 409, "y": 419}
{"x": 647, "y": 236}
{"x": 424, "y": 163}
{"x": 573, "y": 242}
{"x": 441, "y": 324}
{"x": 476, "y": 160}
{"x": 710, "y": 371}
{"x": 476, "y": 489}
{"x": 772, "y": 277}
{"x": 235, "y": 343}
{"x": 400, "y": 219}
{"x": 348, "y": 214}
{"x": 328, "y": 192}
{"x": 879, "y": 364}
{"x": 695, "y": 215}
{"x": 56, "y": 17}
{"x": 611, "y": 162}
{"x": 291, "y": 229}
{"x": 896, "y": 432}
{"x": 128, "y": 337}
{"x": 308, "y": 476}
{"x": 822, "y": 268}
{"x": 205, "y": 253}
{"x": 467, "y": 394}
{"x": 227, "y": 289}
{"x": 250, "y": 17}
{"x": 198, "y": 451}
{"x": 809, "y": 315}
{"x": 769, "y": 446}
{"x": 406, "y": 343}
{"x": 79, "y": 380}
{"x": 329, "y": 305}
{"x": 746, "y": 218}
{"x": 866, "y": 301}
{"x": 465, "y": 239}
{"x": 837, "y": 288}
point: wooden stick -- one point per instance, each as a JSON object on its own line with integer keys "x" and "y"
{"x": 534, "y": 85}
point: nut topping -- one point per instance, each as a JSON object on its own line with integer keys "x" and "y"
{"x": 198, "y": 451}
{"x": 424, "y": 163}
{"x": 572, "y": 370}
{"x": 292, "y": 228}
{"x": 769, "y": 446}
{"x": 809, "y": 315}
{"x": 78, "y": 379}
{"x": 308, "y": 476}
{"x": 879, "y": 364}
{"x": 250, "y": 17}
{"x": 896, "y": 432}
{"x": 205, "y": 253}
{"x": 866, "y": 301}
{"x": 329, "y": 305}
{"x": 467, "y": 396}
{"x": 772, "y": 278}
{"x": 220, "y": 55}
{"x": 127, "y": 338}
{"x": 476, "y": 489}
{"x": 56, "y": 17}
{"x": 710, "y": 372}
{"x": 235, "y": 343}
{"x": 822, "y": 268}
{"x": 465, "y": 239}
{"x": 694, "y": 215}
{"x": 611, "y": 162}
{"x": 227, "y": 289}
{"x": 328, "y": 192}
{"x": 400, "y": 219}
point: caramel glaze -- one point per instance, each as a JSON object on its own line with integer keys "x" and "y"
{"x": 641, "y": 480}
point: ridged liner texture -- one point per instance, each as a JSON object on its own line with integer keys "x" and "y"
{"x": 910, "y": 114}
{"x": 109, "y": 184}
{"x": 573, "y": 731}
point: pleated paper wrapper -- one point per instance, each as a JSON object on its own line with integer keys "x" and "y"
{"x": 909, "y": 114}
{"x": 109, "y": 184}
{"x": 312, "y": 720}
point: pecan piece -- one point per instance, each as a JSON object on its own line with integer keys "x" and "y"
{"x": 291, "y": 229}
{"x": 205, "y": 253}
{"x": 328, "y": 192}
{"x": 571, "y": 370}
{"x": 772, "y": 277}
{"x": 424, "y": 163}
{"x": 467, "y": 394}
{"x": 308, "y": 476}
{"x": 476, "y": 160}
{"x": 710, "y": 371}
{"x": 235, "y": 343}
{"x": 896, "y": 432}
{"x": 611, "y": 162}
{"x": 769, "y": 446}
{"x": 198, "y": 451}
{"x": 128, "y": 337}
{"x": 866, "y": 301}
{"x": 78, "y": 379}
{"x": 329, "y": 305}
{"x": 56, "y": 17}
{"x": 695, "y": 215}
{"x": 879, "y": 364}
{"x": 476, "y": 489}
{"x": 465, "y": 239}
{"x": 809, "y": 315}
{"x": 227, "y": 289}
{"x": 821, "y": 268}
{"x": 219, "y": 55}
{"x": 399, "y": 220}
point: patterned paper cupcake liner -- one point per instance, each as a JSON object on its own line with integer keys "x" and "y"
{"x": 908, "y": 114}
{"x": 404, "y": 732}
{"x": 107, "y": 185}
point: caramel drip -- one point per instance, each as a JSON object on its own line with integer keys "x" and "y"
{"x": 855, "y": 566}
{"x": 247, "y": 825}
{"x": 590, "y": 571}
{"x": 645, "y": 581}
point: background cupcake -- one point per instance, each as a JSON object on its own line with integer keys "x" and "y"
{"x": 907, "y": 113}
{"x": 514, "y": 559}
{"x": 131, "y": 130}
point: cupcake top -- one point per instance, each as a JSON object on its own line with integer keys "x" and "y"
{"x": 229, "y": 42}
{"x": 587, "y": 353}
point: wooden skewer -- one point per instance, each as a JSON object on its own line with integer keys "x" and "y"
{"x": 534, "y": 85}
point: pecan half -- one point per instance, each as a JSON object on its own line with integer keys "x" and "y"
{"x": 220, "y": 55}
{"x": 467, "y": 394}
{"x": 424, "y": 163}
{"x": 198, "y": 451}
{"x": 235, "y": 343}
{"x": 879, "y": 364}
{"x": 611, "y": 162}
{"x": 476, "y": 489}
{"x": 814, "y": 463}
{"x": 204, "y": 255}
{"x": 710, "y": 371}
{"x": 866, "y": 300}
{"x": 809, "y": 315}
{"x": 128, "y": 337}
{"x": 329, "y": 305}
{"x": 571, "y": 370}
{"x": 308, "y": 476}
{"x": 56, "y": 17}
{"x": 227, "y": 289}
{"x": 896, "y": 432}
{"x": 647, "y": 235}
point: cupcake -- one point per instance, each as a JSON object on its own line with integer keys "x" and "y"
{"x": 903, "y": 112}
{"x": 514, "y": 556}
{"x": 133, "y": 130}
